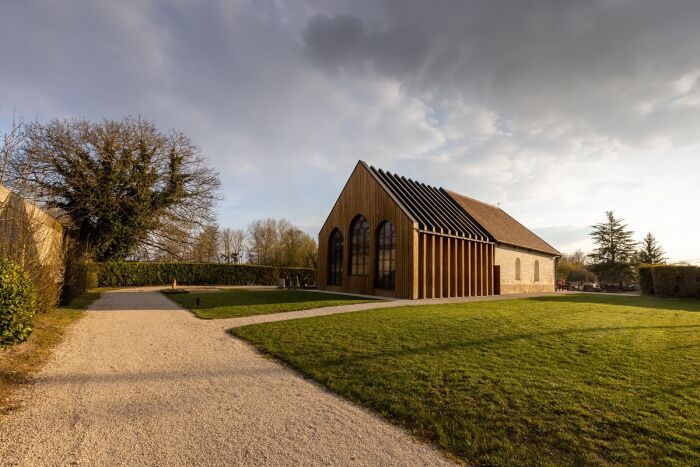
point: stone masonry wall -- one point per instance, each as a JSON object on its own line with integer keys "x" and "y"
{"x": 506, "y": 258}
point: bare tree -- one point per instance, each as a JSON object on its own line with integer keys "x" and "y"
{"x": 226, "y": 240}
{"x": 263, "y": 241}
{"x": 297, "y": 249}
{"x": 239, "y": 243}
{"x": 205, "y": 248}
{"x": 12, "y": 140}
{"x": 276, "y": 242}
{"x": 233, "y": 244}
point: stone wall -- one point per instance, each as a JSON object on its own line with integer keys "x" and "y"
{"x": 29, "y": 235}
{"x": 506, "y": 257}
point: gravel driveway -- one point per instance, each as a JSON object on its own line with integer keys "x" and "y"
{"x": 140, "y": 381}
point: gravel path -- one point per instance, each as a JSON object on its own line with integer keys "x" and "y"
{"x": 229, "y": 323}
{"x": 140, "y": 381}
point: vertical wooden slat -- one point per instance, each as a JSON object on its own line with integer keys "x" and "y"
{"x": 479, "y": 272}
{"x": 489, "y": 270}
{"x": 423, "y": 267}
{"x": 482, "y": 270}
{"x": 472, "y": 268}
{"x": 415, "y": 270}
{"x": 467, "y": 270}
{"x": 493, "y": 265}
{"x": 487, "y": 263}
{"x": 486, "y": 271}
{"x": 431, "y": 267}
{"x": 447, "y": 262}
{"x": 421, "y": 276}
{"x": 439, "y": 267}
{"x": 491, "y": 283}
{"x": 460, "y": 275}
{"x": 475, "y": 279}
{"x": 458, "y": 266}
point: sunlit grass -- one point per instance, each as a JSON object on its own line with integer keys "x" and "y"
{"x": 565, "y": 380}
{"x": 242, "y": 302}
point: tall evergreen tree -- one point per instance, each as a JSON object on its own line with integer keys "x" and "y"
{"x": 615, "y": 250}
{"x": 651, "y": 252}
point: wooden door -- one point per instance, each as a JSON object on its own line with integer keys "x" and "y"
{"x": 497, "y": 280}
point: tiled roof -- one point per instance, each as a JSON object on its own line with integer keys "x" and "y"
{"x": 501, "y": 226}
{"x": 446, "y": 212}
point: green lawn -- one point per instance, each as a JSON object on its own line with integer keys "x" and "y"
{"x": 578, "y": 379}
{"x": 241, "y": 302}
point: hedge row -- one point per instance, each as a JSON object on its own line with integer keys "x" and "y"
{"x": 81, "y": 275}
{"x": 670, "y": 281}
{"x": 127, "y": 273}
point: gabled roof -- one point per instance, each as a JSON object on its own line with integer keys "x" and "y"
{"x": 432, "y": 208}
{"x": 501, "y": 226}
{"x": 438, "y": 210}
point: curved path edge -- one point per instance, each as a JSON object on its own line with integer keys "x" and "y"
{"x": 138, "y": 380}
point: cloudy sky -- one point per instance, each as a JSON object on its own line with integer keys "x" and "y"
{"x": 557, "y": 110}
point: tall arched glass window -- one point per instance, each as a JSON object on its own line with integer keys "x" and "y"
{"x": 517, "y": 269}
{"x": 335, "y": 258}
{"x": 537, "y": 271}
{"x": 359, "y": 246}
{"x": 386, "y": 256}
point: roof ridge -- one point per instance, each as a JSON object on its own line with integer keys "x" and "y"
{"x": 473, "y": 199}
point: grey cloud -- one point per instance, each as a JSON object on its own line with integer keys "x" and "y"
{"x": 523, "y": 102}
{"x": 335, "y": 41}
{"x": 532, "y": 61}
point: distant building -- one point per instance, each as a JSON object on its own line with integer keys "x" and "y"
{"x": 392, "y": 236}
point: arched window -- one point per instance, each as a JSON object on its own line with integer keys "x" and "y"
{"x": 335, "y": 258}
{"x": 537, "y": 271}
{"x": 359, "y": 246}
{"x": 386, "y": 256}
{"x": 517, "y": 269}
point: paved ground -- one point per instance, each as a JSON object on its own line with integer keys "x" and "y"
{"x": 140, "y": 381}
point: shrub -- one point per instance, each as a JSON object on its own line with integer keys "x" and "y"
{"x": 82, "y": 274}
{"x": 646, "y": 282}
{"x": 673, "y": 281}
{"x": 127, "y": 273}
{"x": 18, "y": 304}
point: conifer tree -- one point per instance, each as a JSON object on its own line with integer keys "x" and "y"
{"x": 615, "y": 250}
{"x": 651, "y": 252}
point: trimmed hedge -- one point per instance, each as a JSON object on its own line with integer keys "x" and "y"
{"x": 128, "y": 273}
{"x": 81, "y": 275}
{"x": 670, "y": 281}
{"x": 646, "y": 283}
{"x": 18, "y": 304}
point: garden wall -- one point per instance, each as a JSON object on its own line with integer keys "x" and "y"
{"x": 128, "y": 273}
{"x": 34, "y": 240}
{"x": 670, "y": 281}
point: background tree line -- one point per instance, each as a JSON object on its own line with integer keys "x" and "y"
{"x": 267, "y": 242}
{"x": 615, "y": 258}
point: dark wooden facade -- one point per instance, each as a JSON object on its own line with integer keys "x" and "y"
{"x": 440, "y": 251}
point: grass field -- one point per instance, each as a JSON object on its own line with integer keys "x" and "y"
{"x": 241, "y": 302}
{"x": 571, "y": 380}
{"x": 19, "y": 362}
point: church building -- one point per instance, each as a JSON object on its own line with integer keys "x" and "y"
{"x": 391, "y": 236}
